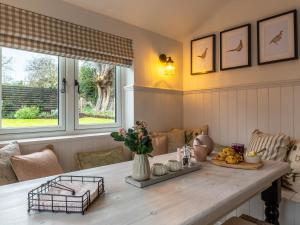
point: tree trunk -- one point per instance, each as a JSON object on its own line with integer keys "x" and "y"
{"x": 104, "y": 86}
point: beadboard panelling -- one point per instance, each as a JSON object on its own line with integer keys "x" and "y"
{"x": 162, "y": 109}
{"x": 232, "y": 114}
{"x": 296, "y": 111}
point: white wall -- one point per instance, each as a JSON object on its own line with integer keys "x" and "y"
{"x": 237, "y": 101}
{"x": 235, "y": 13}
{"x": 233, "y": 113}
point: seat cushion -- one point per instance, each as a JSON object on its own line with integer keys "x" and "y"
{"x": 176, "y": 139}
{"x": 7, "y": 175}
{"x": 86, "y": 160}
{"x": 272, "y": 147}
{"x": 160, "y": 145}
{"x": 36, "y": 165}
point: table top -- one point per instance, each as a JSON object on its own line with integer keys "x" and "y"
{"x": 201, "y": 197}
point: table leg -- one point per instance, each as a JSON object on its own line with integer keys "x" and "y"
{"x": 272, "y": 198}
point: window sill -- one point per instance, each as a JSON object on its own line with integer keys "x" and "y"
{"x": 54, "y": 139}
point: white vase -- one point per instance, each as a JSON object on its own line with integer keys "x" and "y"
{"x": 140, "y": 167}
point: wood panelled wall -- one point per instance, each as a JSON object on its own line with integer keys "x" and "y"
{"x": 233, "y": 113}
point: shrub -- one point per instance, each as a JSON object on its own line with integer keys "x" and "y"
{"x": 28, "y": 112}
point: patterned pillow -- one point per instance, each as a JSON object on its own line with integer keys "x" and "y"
{"x": 86, "y": 160}
{"x": 270, "y": 147}
{"x": 7, "y": 175}
{"x": 196, "y": 132}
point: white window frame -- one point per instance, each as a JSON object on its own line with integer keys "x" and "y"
{"x": 118, "y": 104}
{"x": 61, "y": 101}
{"x": 68, "y": 118}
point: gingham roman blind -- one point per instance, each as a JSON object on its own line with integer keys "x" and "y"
{"x": 27, "y": 30}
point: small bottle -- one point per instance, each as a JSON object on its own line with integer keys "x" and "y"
{"x": 186, "y": 157}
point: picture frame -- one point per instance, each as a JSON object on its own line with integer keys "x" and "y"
{"x": 277, "y": 38}
{"x": 235, "y": 47}
{"x": 203, "y": 55}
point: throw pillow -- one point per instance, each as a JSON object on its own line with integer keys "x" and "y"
{"x": 86, "y": 160}
{"x": 160, "y": 145}
{"x": 36, "y": 165}
{"x": 270, "y": 147}
{"x": 7, "y": 175}
{"x": 175, "y": 140}
{"x": 194, "y": 131}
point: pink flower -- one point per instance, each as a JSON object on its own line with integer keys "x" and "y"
{"x": 122, "y": 131}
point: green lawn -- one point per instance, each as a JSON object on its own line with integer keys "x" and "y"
{"x": 8, "y": 123}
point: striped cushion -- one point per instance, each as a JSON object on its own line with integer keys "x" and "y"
{"x": 276, "y": 145}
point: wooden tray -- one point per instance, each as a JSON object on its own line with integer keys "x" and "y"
{"x": 241, "y": 165}
{"x": 157, "y": 179}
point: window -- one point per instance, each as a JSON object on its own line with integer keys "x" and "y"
{"x": 36, "y": 94}
{"x": 95, "y": 94}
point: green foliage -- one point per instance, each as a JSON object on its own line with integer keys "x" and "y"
{"x": 28, "y": 112}
{"x": 89, "y": 111}
{"x": 87, "y": 79}
{"x": 137, "y": 139}
{"x": 49, "y": 115}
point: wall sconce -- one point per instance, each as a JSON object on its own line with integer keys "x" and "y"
{"x": 169, "y": 68}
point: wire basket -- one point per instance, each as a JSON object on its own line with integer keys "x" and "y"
{"x": 69, "y": 194}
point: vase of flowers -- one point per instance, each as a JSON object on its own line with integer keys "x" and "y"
{"x": 138, "y": 140}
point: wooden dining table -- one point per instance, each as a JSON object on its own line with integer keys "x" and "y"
{"x": 201, "y": 197}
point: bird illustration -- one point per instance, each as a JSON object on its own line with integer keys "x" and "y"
{"x": 277, "y": 38}
{"x": 203, "y": 54}
{"x": 238, "y": 48}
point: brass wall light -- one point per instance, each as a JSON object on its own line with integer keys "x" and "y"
{"x": 168, "y": 63}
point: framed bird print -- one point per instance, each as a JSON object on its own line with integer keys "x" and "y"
{"x": 235, "y": 47}
{"x": 277, "y": 38}
{"x": 203, "y": 55}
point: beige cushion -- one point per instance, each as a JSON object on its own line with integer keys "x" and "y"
{"x": 160, "y": 145}
{"x": 7, "y": 175}
{"x": 175, "y": 140}
{"x": 276, "y": 146}
{"x": 87, "y": 160}
{"x": 36, "y": 165}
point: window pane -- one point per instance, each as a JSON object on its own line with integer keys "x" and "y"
{"x": 96, "y": 98}
{"x": 29, "y": 89}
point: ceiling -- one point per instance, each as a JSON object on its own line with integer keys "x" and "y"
{"x": 173, "y": 18}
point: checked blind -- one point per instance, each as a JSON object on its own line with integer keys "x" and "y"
{"x": 31, "y": 31}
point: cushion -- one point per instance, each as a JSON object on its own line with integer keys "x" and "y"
{"x": 175, "y": 140}
{"x": 272, "y": 147}
{"x": 7, "y": 175}
{"x": 196, "y": 132}
{"x": 160, "y": 145}
{"x": 36, "y": 165}
{"x": 86, "y": 160}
